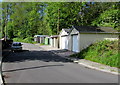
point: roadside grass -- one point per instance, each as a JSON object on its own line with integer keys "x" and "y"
{"x": 104, "y": 52}
{"x": 42, "y": 44}
{"x": 26, "y": 40}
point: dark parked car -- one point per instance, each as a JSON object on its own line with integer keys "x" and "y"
{"x": 16, "y": 46}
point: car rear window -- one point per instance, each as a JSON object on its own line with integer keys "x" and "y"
{"x": 16, "y": 44}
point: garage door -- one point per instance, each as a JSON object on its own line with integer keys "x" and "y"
{"x": 75, "y": 47}
{"x": 64, "y": 41}
{"x": 51, "y": 41}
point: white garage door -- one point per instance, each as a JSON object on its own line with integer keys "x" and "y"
{"x": 75, "y": 47}
{"x": 64, "y": 41}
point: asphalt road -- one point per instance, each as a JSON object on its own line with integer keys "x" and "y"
{"x": 34, "y": 65}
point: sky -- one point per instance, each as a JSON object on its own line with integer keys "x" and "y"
{"x": 0, "y": 0}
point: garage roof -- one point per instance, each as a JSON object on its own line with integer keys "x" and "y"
{"x": 67, "y": 30}
{"x": 93, "y": 29}
{"x": 41, "y": 36}
{"x": 54, "y": 36}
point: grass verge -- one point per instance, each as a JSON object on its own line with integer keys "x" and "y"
{"x": 104, "y": 52}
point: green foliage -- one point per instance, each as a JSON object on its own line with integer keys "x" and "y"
{"x": 63, "y": 14}
{"x": 24, "y": 20}
{"x": 17, "y": 40}
{"x": 26, "y": 40}
{"x": 104, "y": 52}
{"x": 108, "y": 18}
{"x": 67, "y": 14}
{"x": 42, "y": 44}
{"x": 0, "y": 35}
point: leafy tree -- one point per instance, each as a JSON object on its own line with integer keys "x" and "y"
{"x": 26, "y": 19}
{"x": 109, "y": 17}
{"x": 63, "y": 14}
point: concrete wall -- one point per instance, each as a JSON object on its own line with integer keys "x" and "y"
{"x": 56, "y": 43}
{"x": 60, "y": 42}
{"x": 87, "y": 39}
{"x": 1, "y": 81}
{"x": 51, "y": 42}
{"x": 67, "y": 42}
{"x": 42, "y": 39}
{"x": 70, "y": 42}
{"x": 54, "y": 40}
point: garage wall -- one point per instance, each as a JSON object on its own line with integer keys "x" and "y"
{"x": 75, "y": 43}
{"x": 73, "y": 32}
{"x": 38, "y": 39}
{"x": 87, "y": 39}
{"x": 60, "y": 42}
{"x": 55, "y": 44}
{"x": 70, "y": 42}
{"x": 64, "y": 42}
{"x": 35, "y": 39}
{"x": 63, "y": 39}
{"x": 62, "y": 33}
{"x": 51, "y": 42}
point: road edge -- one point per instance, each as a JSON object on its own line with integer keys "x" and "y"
{"x": 75, "y": 60}
{"x": 88, "y": 66}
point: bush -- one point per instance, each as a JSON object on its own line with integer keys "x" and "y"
{"x": 26, "y": 40}
{"x": 17, "y": 39}
{"x": 109, "y": 18}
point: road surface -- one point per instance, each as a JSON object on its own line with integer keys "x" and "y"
{"x": 34, "y": 65}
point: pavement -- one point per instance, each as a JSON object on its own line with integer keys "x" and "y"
{"x": 42, "y": 64}
{"x": 3, "y": 53}
{"x": 87, "y": 63}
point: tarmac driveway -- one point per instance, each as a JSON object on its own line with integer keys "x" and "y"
{"x": 35, "y": 65}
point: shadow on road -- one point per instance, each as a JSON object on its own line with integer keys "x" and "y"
{"x": 24, "y": 55}
{"x": 32, "y": 68}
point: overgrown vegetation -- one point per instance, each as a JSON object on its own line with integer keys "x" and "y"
{"x": 109, "y": 18}
{"x": 104, "y": 52}
{"x": 42, "y": 44}
{"x": 26, "y": 40}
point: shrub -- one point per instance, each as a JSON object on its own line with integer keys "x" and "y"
{"x": 26, "y": 40}
{"x": 17, "y": 39}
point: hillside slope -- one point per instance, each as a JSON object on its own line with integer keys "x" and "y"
{"x": 104, "y": 52}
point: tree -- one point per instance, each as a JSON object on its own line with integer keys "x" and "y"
{"x": 62, "y": 14}
{"x": 32, "y": 18}
{"x": 24, "y": 19}
{"x": 76, "y": 13}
